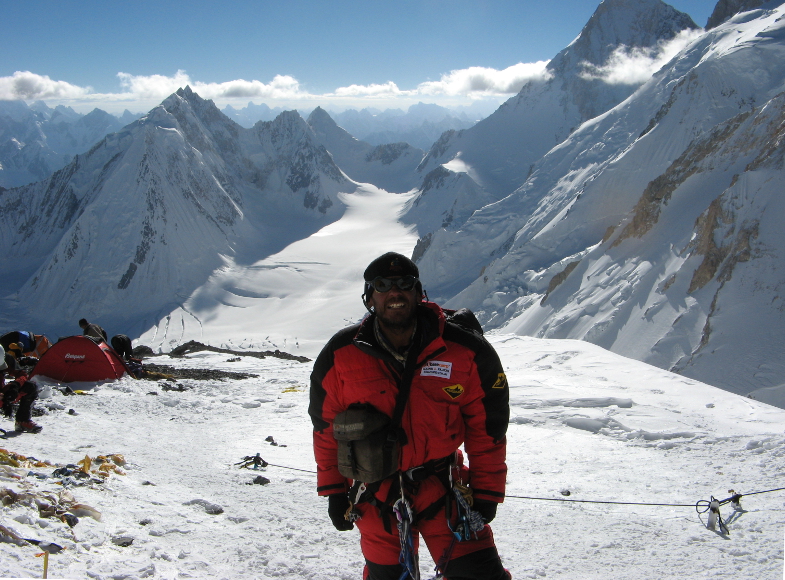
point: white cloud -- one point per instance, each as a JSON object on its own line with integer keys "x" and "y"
{"x": 481, "y": 81}
{"x": 634, "y": 66}
{"x": 471, "y": 82}
{"x": 153, "y": 86}
{"x": 281, "y": 87}
{"x": 144, "y": 92}
{"x": 29, "y": 86}
{"x": 160, "y": 87}
{"x": 389, "y": 89}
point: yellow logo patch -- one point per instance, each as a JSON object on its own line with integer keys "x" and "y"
{"x": 501, "y": 382}
{"x": 454, "y": 391}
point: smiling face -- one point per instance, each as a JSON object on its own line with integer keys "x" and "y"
{"x": 396, "y": 308}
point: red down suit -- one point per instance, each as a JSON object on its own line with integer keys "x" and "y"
{"x": 459, "y": 396}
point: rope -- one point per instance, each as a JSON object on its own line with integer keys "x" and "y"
{"x": 258, "y": 461}
{"x": 598, "y": 501}
{"x": 735, "y": 497}
{"x": 292, "y": 468}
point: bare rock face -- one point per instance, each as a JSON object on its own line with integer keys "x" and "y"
{"x": 725, "y": 9}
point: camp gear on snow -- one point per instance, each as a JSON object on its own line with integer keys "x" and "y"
{"x": 34, "y": 345}
{"x": 78, "y": 358}
{"x": 255, "y": 460}
{"x": 382, "y": 285}
{"x": 15, "y": 349}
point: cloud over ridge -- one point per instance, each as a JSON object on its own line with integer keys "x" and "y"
{"x": 625, "y": 66}
{"x": 634, "y": 66}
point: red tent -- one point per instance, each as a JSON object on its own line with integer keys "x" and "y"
{"x": 77, "y": 358}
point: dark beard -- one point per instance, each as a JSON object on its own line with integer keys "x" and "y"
{"x": 398, "y": 325}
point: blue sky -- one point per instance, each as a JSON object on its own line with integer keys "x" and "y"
{"x": 119, "y": 54}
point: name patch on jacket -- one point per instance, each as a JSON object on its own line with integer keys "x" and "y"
{"x": 437, "y": 368}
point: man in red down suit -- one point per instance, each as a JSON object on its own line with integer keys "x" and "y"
{"x": 457, "y": 395}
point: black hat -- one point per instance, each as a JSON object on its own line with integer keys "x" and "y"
{"x": 391, "y": 264}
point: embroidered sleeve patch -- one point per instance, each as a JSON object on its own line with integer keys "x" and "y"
{"x": 501, "y": 382}
{"x": 454, "y": 391}
{"x": 437, "y": 368}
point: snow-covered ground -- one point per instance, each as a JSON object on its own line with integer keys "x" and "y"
{"x": 603, "y": 427}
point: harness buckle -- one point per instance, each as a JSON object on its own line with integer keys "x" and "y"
{"x": 417, "y": 474}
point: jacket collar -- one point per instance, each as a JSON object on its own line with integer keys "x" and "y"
{"x": 427, "y": 337}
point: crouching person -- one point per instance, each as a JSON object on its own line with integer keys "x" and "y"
{"x": 392, "y": 399}
{"x": 19, "y": 391}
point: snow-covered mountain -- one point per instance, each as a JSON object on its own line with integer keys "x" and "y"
{"x": 127, "y": 231}
{"x": 651, "y": 228}
{"x": 251, "y": 114}
{"x": 390, "y": 166}
{"x": 498, "y": 152}
{"x": 654, "y": 229}
{"x": 36, "y": 141}
{"x": 420, "y": 125}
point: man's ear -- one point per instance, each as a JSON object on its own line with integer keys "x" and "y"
{"x": 367, "y": 302}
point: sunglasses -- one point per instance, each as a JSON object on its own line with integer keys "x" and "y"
{"x": 404, "y": 283}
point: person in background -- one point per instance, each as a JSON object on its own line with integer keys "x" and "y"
{"x": 93, "y": 331}
{"x": 122, "y": 346}
{"x": 457, "y": 395}
{"x": 19, "y": 391}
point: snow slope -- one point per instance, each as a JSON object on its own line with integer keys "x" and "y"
{"x": 130, "y": 229}
{"x": 652, "y": 229}
{"x": 293, "y": 299}
{"x": 389, "y": 166}
{"x": 583, "y": 421}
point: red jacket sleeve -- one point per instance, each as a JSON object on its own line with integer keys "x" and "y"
{"x": 486, "y": 416}
{"x": 322, "y": 409}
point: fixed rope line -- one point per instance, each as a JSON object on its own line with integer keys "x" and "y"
{"x": 734, "y": 498}
{"x": 257, "y": 461}
{"x": 292, "y": 468}
{"x": 599, "y": 501}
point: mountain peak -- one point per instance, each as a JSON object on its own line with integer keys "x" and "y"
{"x": 632, "y": 23}
{"x": 319, "y": 116}
{"x": 726, "y": 9}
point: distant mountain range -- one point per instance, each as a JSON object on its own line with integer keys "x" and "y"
{"x": 419, "y": 126}
{"x": 36, "y": 141}
{"x": 645, "y": 218}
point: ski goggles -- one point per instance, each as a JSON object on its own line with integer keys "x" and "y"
{"x": 404, "y": 283}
